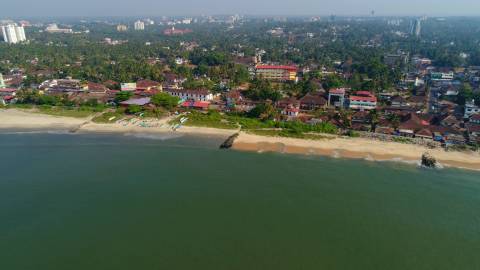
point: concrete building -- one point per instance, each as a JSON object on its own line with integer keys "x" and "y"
{"x": 442, "y": 76}
{"x": 139, "y": 25}
{"x": 471, "y": 109}
{"x": 53, "y": 28}
{"x": 13, "y": 33}
{"x": 122, "y": 28}
{"x": 276, "y": 73}
{"x": 336, "y": 97}
{"x": 2, "y": 82}
{"x": 363, "y": 100}
{"x": 186, "y": 94}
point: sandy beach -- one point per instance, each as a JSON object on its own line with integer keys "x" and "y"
{"x": 25, "y": 120}
{"x": 356, "y": 148}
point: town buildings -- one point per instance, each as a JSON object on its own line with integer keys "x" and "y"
{"x": 122, "y": 28}
{"x": 276, "y": 73}
{"x": 53, "y": 28}
{"x": 173, "y": 31}
{"x": 187, "y": 94}
{"x": 471, "y": 109}
{"x": 2, "y": 82}
{"x": 13, "y": 33}
{"x": 363, "y": 100}
{"x": 139, "y": 25}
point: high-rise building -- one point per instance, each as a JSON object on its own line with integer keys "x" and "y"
{"x": 122, "y": 28}
{"x": 2, "y": 82}
{"x": 276, "y": 73}
{"x": 416, "y": 28}
{"x": 139, "y": 25}
{"x": 13, "y": 33}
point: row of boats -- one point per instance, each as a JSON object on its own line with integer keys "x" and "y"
{"x": 179, "y": 125}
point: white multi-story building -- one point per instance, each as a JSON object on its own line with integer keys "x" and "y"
{"x": 471, "y": 109}
{"x": 13, "y": 33}
{"x": 2, "y": 82}
{"x": 122, "y": 28}
{"x": 185, "y": 94}
{"x": 139, "y": 25}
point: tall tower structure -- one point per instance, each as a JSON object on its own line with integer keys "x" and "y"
{"x": 2, "y": 82}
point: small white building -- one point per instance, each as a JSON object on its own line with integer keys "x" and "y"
{"x": 139, "y": 25}
{"x": 471, "y": 109}
{"x": 186, "y": 94}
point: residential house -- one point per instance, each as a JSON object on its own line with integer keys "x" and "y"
{"x": 451, "y": 121}
{"x": 148, "y": 86}
{"x": 288, "y": 102}
{"x": 62, "y": 86}
{"x": 471, "y": 109}
{"x": 291, "y": 111}
{"x": 416, "y": 101}
{"x": 398, "y": 101}
{"x": 313, "y": 101}
{"x": 475, "y": 119}
{"x": 187, "y": 94}
{"x": 7, "y": 95}
{"x": 363, "y": 100}
{"x": 425, "y": 134}
{"x": 136, "y": 101}
{"x": 411, "y": 125}
{"x": 200, "y": 105}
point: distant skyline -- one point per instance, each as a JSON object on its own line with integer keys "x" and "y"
{"x": 62, "y": 8}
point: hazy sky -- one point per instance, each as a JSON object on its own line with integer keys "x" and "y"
{"x": 19, "y": 8}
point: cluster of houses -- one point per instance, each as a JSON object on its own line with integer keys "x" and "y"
{"x": 424, "y": 112}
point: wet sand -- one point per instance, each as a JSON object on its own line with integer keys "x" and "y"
{"x": 356, "y": 148}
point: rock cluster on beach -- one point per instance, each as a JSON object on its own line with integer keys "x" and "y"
{"x": 428, "y": 161}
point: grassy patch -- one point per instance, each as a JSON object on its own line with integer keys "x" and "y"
{"x": 402, "y": 140}
{"x": 77, "y": 112}
{"x": 288, "y": 134}
{"x": 104, "y": 118}
{"x": 211, "y": 119}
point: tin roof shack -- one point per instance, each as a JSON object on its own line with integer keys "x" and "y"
{"x": 148, "y": 87}
{"x": 58, "y": 86}
{"x": 199, "y": 105}
{"x": 136, "y": 101}
{"x": 7, "y": 95}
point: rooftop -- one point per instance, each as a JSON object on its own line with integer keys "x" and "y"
{"x": 289, "y": 68}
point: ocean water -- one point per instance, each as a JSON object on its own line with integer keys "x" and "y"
{"x": 172, "y": 202}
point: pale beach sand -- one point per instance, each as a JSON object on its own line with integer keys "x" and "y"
{"x": 20, "y": 119}
{"x": 357, "y": 148}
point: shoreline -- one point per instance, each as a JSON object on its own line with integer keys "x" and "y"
{"x": 356, "y": 148}
{"x": 349, "y": 148}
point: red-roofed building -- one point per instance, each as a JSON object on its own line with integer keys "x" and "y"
{"x": 172, "y": 31}
{"x": 291, "y": 111}
{"x": 363, "y": 100}
{"x": 96, "y": 88}
{"x": 201, "y": 105}
{"x": 186, "y": 94}
{"x": 148, "y": 85}
{"x": 475, "y": 118}
{"x": 8, "y": 91}
{"x": 277, "y": 73}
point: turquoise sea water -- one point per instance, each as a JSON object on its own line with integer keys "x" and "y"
{"x": 124, "y": 202}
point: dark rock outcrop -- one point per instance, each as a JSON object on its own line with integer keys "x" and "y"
{"x": 229, "y": 141}
{"x": 429, "y": 161}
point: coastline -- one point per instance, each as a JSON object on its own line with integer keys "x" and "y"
{"x": 350, "y": 148}
{"x": 356, "y": 148}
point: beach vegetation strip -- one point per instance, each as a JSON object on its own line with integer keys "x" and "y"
{"x": 294, "y": 129}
